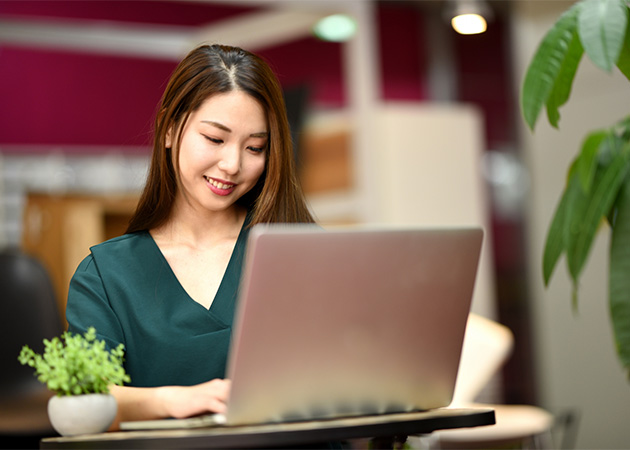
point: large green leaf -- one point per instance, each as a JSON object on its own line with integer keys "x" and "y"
{"x": 619, "y": 276}
{"x": 602, "y": 28}
{"x": 623, "y": 63}
{"x": 564, "y": 81}
{"x": 546, "y": 65}
{"x": 587, "y": 161}
{"x": 585, "y": 211}
{"x": 554, "y": 244}
{"x": 574, "y": 196}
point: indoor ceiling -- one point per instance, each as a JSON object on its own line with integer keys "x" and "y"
{"x": 158, "y": 29}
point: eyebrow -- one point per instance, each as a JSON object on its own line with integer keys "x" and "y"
{"x": 262, "y": 134}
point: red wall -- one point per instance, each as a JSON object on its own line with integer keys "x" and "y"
{"x": 58, "y": 97}
{"x": 178, "y": 12}
{"x": 51, "y": 97}
{"x": 483, "y": 67}
{"x": 402, "y": 53}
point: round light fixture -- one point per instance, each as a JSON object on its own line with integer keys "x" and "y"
{"x": 335, "y": 28}
{"x": 468, "y": 16}
{"x": 469, "y": 24}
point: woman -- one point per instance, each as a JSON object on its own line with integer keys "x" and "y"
{"x": 222, "y": 161}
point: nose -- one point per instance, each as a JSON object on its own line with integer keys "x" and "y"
{"x": 230, "y": 161}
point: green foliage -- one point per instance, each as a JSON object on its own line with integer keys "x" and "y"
{"x": 619, "y": 281}
{"x": 597, "y": 27}
{"x": 602, "y": 27}
{"x": 597, "y": 175}
{"x": 598, "y": 182}
{"x": 75, "y": 364}
{"x": 549, "y": 66}
{"x": 623, "y": 63}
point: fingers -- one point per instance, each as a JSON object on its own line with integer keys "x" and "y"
{"x": 208, "y": 397}
{"x": 217, "y": 406}
{"x": 214, "y": 394}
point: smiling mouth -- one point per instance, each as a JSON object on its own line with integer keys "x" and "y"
{"x": 218, "y": 184}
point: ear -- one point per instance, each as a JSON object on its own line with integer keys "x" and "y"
{"x": 168, "y": 143}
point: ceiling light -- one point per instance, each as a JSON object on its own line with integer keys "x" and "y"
{"x": 335, "y": 28}
{"x": 469, "y": 16}
{"x": 469, "y": 23}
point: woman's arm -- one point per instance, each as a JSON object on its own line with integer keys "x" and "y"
{"x": 89, "y": 305}
{"x": 135, "y": 403}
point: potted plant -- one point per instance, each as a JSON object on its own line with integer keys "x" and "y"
{"x": 598, "y": 180}
{"x": 79, "y": 369}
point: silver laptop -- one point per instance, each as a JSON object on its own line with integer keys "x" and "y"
{"x": 348, "y": 322}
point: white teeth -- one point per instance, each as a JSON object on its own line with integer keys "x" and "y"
{"x": 219, "y": 185}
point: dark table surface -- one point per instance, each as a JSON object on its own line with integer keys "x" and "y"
{"x": 381, "y": 428}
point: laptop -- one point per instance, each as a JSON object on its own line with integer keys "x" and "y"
{"x": 346, "y": 322}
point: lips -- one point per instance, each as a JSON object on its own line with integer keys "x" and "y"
{"x": 220, "y": 187}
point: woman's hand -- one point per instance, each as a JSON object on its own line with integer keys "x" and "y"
{"x": 187, "y": 401}
{"x": 139, "y": 403}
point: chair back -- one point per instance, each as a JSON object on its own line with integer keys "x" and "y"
{"x": 487, "y": 345}
{"x": 28, "y": 314}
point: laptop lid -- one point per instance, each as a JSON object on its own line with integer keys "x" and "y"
{"x": 349, "y": 321}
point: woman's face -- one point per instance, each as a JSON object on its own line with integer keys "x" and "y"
{"x": 222, "y": 152}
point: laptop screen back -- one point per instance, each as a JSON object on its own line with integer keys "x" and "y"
{"x": 349, "y": 322}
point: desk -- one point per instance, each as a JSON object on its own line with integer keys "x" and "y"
{"x": 284, "y": 434}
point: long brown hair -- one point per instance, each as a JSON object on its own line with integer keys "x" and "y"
{"x": 206, "y": 71}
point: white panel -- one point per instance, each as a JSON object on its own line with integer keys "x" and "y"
{"x": 427, "y": 172}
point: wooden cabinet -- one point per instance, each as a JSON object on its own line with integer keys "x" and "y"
{"x": 326, "y": 163}
{"x": 60, "y": 229}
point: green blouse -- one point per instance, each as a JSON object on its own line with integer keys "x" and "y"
{"x": 126, "y": 290}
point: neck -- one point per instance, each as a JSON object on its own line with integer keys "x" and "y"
{"x": 199, "y": 229}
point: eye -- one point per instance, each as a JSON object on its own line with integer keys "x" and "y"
{"x": 256, "y": 149}
{"x": 213, "y": 140}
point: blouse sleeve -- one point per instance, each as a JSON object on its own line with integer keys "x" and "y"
{"x": 89, "y": 306}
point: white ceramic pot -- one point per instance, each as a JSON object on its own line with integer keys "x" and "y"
{"x": 82, "y": 414}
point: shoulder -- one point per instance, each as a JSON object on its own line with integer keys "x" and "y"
{"x": 126, "y": 242}
{"x": 121, "y": 251}
{"x": 121, "y": 263}
{"x": 123, "y": 240}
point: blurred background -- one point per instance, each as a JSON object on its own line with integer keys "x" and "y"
{"x": 397, "y": 119}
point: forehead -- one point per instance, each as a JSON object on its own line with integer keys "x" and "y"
{"x": 235, "y": 108}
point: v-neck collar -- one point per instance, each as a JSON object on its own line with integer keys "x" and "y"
{"x": 222, "y": 305}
